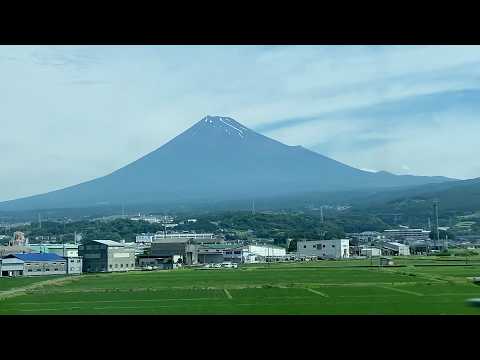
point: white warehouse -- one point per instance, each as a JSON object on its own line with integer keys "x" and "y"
{"x": 370, "y": 251}
{"x": 328, "y": 249}
{"x": 254, "y": 253}
{"x": 395, "y": 248}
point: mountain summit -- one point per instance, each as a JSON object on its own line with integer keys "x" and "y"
{"x": 217, "y": 159}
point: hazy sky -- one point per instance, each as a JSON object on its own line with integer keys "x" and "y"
{"x": 72, "y": 113}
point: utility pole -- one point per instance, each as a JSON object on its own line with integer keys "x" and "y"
{"x": 253, "y": 207}
{"x": 436, "y": 234}
{"x": 321, "y": 214}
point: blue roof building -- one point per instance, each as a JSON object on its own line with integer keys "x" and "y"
{"x": 36, "y": 264}
{"x": 36, "y": 257}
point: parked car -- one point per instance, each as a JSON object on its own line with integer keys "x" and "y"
{"x": 229, "y": 265}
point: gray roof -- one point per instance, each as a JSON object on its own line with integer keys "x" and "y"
{"x": 11, "y": 261}
{"x": 108, "y": 242}
{"x": 172, "y": 240}
{"x": 395, "y": 244}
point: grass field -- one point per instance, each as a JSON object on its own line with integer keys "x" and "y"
{"x": 421, "y": 286}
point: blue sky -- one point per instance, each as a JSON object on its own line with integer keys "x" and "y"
{"x": 72, "y": 113}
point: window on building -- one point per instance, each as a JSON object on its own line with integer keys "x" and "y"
{"x": 29, "y": 270}
{"x": 304, "y": 246}
{"x": 116, "y": 265}
{"x": 333, "y": 246}
{"x": 126, "y": 265}
{"x": 121, "y": 265}
{"x": 111, "y": 266}
{"x": 323, "y": 246}
{"x": 39, "y": 269}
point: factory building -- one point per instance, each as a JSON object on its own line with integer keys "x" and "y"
{"x": 11, "y": 267}
{"x": 367, "y": 236}
{"x": 194, "y": 236}
{"x": 395, "y": 248}
{"x": 65, "y": 250}
{"x": 369, "y": 252}
{"x": 41, "y": 264}
{"x": 266, "y": 251}
{"x": 407, "y": 234}
{"x": 217, "y": 253}
{"x": 159, "y": 263}
{"x": 106, "y": 256}
{"x": 326, "y": 249}
{"x": 170, "y": 247}
{"x": 212, "y": 253}
{"x": 144, "y": 238}
{"x": 74, "y": 265}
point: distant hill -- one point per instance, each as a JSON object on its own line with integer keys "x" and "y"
{"x": 454, "y": 196}
{"x": 217, "y": 159}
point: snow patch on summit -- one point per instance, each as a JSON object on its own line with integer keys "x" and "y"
{"x": 240, "y": 132}
{"x": 227, "y": 124}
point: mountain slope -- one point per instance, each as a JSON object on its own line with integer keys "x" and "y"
{"x": 461, "y": 195}
{"x": 217, "y": 158}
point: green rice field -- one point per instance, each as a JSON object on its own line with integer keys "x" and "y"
{"x": 418, "y": 286}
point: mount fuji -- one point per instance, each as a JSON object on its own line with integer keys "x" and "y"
{"x": 217, "y": 159}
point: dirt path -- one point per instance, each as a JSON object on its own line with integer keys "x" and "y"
{"x": 22, "y": 290}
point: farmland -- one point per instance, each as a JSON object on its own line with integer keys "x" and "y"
{"x": 419, "y": 286}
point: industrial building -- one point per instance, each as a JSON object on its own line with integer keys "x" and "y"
{"x": 194, "y": 236}
{"x": 214, "y": 253}
{"x": 11, "y": 267}
{"x": 182, "y": 248}
{"x": 407, "y": 234}
{"x": 74, "y": 265}
{"x": 367, "y": 236}
{"x": 65, "y": 250}
{"x": 326, "y": 249}
{"x": 395, "y": 248}
{"x": 193, "y": 253}
{"x": 217, "y": 253}
{"x": 40, "y": 264}
{"x": 265, "y": 251}
{"x": 106, "y": 256}
{"x": 369, "y": 252}
{"x": 144, "y": 238}
{"x": 159, "y": 263}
